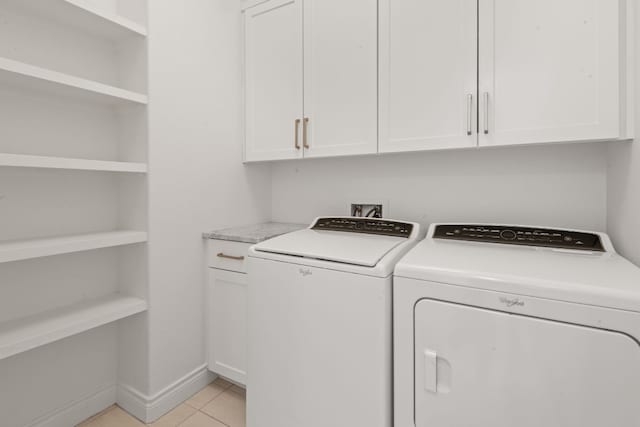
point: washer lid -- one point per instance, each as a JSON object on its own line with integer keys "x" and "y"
{"x": 348, "y": 248}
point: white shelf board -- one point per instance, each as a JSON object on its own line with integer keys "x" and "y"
{"x": 83, "y": 16}
{"x": 20, "y": 74}
{"x": 20, "y": 335}
{"x": 29, "y": 161}
{"x": 18, "y": 250}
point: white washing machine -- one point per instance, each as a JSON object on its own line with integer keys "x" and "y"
{"x": 320, "y": 322}
{"x": 502, "y": 326}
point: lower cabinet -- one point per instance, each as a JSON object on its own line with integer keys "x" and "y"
{"x": 228, "y": 324}
{"x": 227, "y": 319}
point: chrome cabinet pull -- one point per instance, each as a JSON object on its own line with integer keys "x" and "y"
{"x": 297, "y": 144}
{"x": 305, "y": 126}
{"x": 486, "y": 113}
{"x": 469, "y": 112}
{"x": 235, "y": 258}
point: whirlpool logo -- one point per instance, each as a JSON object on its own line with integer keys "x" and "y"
{"x": 512, "y": 302}
{"x": 305, "y": 272}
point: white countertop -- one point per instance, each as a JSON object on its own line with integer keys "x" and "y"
{"x": 254, "y": 233}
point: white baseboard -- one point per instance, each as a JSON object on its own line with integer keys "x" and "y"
{"x": 150, "y": 408}
{"x": 143, "y": 407}
{"x": 78, "y": 411}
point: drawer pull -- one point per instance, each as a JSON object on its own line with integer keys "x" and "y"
{"x": 236, "y": 258}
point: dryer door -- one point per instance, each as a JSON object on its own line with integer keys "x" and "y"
{"x": 477, "y": 367}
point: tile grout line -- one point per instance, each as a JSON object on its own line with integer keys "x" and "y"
{"x": 224, "y": 389}
{"x": 211, "y": 416}
{"x": 203, "y": 413}
{"x": 229, "y": 389}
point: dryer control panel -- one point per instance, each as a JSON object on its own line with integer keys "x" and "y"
{"x": 527, "y": 236}
{"x": 365, "y": 225}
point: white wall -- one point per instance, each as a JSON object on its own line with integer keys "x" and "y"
{"x": 42, "y": 383}
{"x": 560, "y": 185}
{"x": 197, "y": 181}
{"x": 623, "y": 220}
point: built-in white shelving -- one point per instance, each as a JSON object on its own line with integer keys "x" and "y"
{"x": 74, "y": 78}
{"x": 18, "y": 250}
{"x": 82, "y": 15}
{"x": 20, "y": 74}
{"x": 46, "y": 162}
{"x": 20, "y": 335}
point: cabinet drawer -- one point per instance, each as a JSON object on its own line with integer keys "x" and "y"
{"x": 228, "y": 255}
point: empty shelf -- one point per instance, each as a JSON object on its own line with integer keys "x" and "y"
{"x": 17, "y": 250}
{"x": 20, "y": 74}
{"x": 20, "y": 335}
{"x": 83, "y": 16}
{"x": 28, "y": 161}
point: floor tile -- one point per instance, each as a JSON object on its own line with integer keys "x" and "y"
{"x": 99, "y": 414}
{"x": 201, "y": 420}
{"x": 207, "y": 394}
{"x": 228, "y": 410}
{"x": 229, "y": 407}
{"x": 222, "y": 382}
{"x": 237, "y": 389}
{"x": 115, "y": 417}
{"x": 175, "y": 417}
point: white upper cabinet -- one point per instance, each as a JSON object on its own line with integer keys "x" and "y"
{"x": 551, "y": 71}
{"x": 428, "y": 74}
{"x": 340, "y": 77}
{"x": 273, "y": 79}
{"x": 315, "y": 98}
{"x": 334, "y": 77}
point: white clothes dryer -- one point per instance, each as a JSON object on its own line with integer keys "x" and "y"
{"x": 503, "y": 326}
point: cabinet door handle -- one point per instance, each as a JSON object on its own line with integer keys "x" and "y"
{"x": 297, "y": 130}
{"x": 469, "y": 113}
{"x": 305, "y": 126}
{"x": 486, "y": 113}
{"x": 235, "y": 258}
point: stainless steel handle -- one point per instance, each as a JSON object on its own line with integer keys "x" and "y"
{"x": 297, "y": 130}
{"x": 235, "y": 258}
{"x": 305, "y": 125}
{"x": 469, "y": 113}
{"x": 486, "y": 113}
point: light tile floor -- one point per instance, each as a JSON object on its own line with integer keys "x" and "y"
{"x": 220, "y": 404}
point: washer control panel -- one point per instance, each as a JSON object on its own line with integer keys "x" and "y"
{"x": 365, "y": 225}
{"x": 548, "y": 238}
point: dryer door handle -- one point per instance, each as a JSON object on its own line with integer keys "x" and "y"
{"x": 431, "y": 371}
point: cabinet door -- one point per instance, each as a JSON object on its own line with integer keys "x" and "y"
{"x": 428, "y": 74}
{"x": 227, "y": 324}
{"x": 273, "y": 80}
{"x": 340, "y": 77}
{"x": 549, "y": 71}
